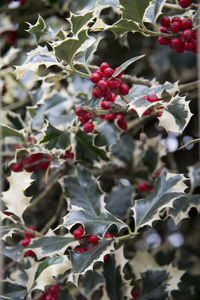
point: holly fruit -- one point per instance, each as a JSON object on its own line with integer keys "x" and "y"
{"x": 93, "y": 239}
{"x": 88, "y": 127}
{"x": 184, "y": 3}
{"x": 26, "y": 242}
{"x": 142, "y": 186}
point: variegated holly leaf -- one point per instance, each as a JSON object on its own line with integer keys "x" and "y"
{"x": 44, "y": 273}
{"x": 38, "y": 29}
{"x": 119, "y": 200}
{"x": 80, "y": 22}
{"x": 86, "y": 149}
{"x": 182, "y": 206}
{"x": 134, "y": 10}
{"x": 124, "y": 149}
{"x": 8, "y": 57}
{"x": 176, "y": 115}
{"x": 87, "y": 203}
{"x": 13, "y": 290}
{"x": 168, "y": 187}
{"x": 14, "y": 198}
{"x": 140, "y": 105}
{"x": 36, "y": 58}
{"x": 51, "y": 245}
{"x": 55, "y": 138}
{"x": 83, "y": 262}
{"x": 107, "y": 134}
{"x": 124, "y": 25}
{"x": 91, "y": 282}
{"x": 67, "y": 48}
{"x": 194, "y": 174}
{"x": 153, "y": 11}
{"x": 7, "y": 131}
{"x": 112, "y": 3}
{"x": 8, "y": 230}
{"x": 125, "y": 65}
{"x": 14, "y": 252}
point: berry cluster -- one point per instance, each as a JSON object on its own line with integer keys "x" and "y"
{"x": 185, "y": 38}
{"x": 26, "y": 241}
{"x": 107, "y": 87}
{"x": 52, "y": 293}
{"x": 31, "y": 163}
{"x": 184, "y": 3}
{"x": 78, "y": 234}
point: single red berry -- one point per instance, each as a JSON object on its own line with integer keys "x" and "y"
{"x": 84, "y": 119}
{"x": 95, "y": 77}
{"x": 88, "y": 127}
{"x": 68, "y": 154}
{"x": 29, "y": 139}
{"x": 180, "y": 49}
{"x": 135, "y": 294}
{"x": 80, "y": 228}
{"x": 165, "y": 21}
{"x": 55, "y": 290}
{"x": 79, "y": 111}
{"x": 152, "y": 98}
{"x": 44, "y": 165}
{"x": 36, "y": 156}
{"x": 114, "y": 96}
{"x": 8, "y": 213}
{"x": 147, "y": 112}
{"x": 142, "y": 186}
{"x": 78, "y": 234}
{"x": 163, "y": 30}
{"x": 159, "y": 114}
{"x": 120, "y": 74}
{"x": 16, "y": 167}
{"x": 109, "y": 117}
{"x": 158, "y": 172}
{"x": 105, "y": 258}
{"x": 176, "y": 19}
{"x": 122, "y": 124}
{"x": 108, "y": 97}
{"x": 105, "y": 104}
{"x": 96, "y": 92}
{"x": 115, "y": 83}
{"x": 119, "y": 117}
{"x": 133, "y": 111}
{"x": 103, "y": 84}
{"x": 28, "y": 164}
{"x": 175, "y": 43}
{"x": 93, "y": 239}
{"x": 17, "y": 147}
{"x": 29, "y": 235}
{"x": 30, "y": 253}
{"x": 12, "y": 37}
{"x": 108, "y": 235}
{"x": 184, "y": 3}
{"x": 163, "y": 40}
{"x": 175, "y": 27}
{"x": 108, "y": 72}
{"x": 26, "y": 242}
{"x": 103, "y": 66}
{"x": 186, "y": 23}
{"x": 124, "y": 89}
{"x": 188, "y": 45}
{"x": 187, "y": 34}
{"x": 79, "y": 250}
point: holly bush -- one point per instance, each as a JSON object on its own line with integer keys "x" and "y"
{"x": 101, "y": 179}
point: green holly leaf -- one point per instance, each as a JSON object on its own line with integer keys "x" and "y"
{"x": 55, "y": 138}
{"x": 154, "y": 11}
{"x": 168, "y": 187}
{"x": 67, "y": 48}
{"x": 107, "y": 134}
{"x": 14, "y": 252}
{"x": 134, "y": 10}
{"x": 86, "y": 150}
{"x": 38, "y": 29}
{"x": 83, "y": 262}
{"x": 127, "y": 63}
{"x": 79, "y": 22}
{"x": 176, "y": 115}
{"x": 87, "y": 205}
{"x": 124, "y": 25}
{"x": 91, "y": 282}
{"x": 7, "y": 131}
{"x": 123, "y": 150}
{"x": 194, "y": 174}
{"x": 119, "y": 200}
{"x": 13, "y": 291}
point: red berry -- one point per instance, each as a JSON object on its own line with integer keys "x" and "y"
{"x": 176, "y": 19}
{"x": 80, "y": 228}
{"x": 188, "y": 45}
{"x": 175, "y": 27}
{"x": 103, "y": 66}
{"x": 12, "y": 37}
{"x": 17, "y": 146}
{"x": 79, "y": 250}
{"x": 115, "y": 83}
{"x": 134, "y": 111}
{"x": 26, "y": 242}
{"x": 36, "y": 156}
{"x": 119, "y": 117}
{"x": 93, "y": 239}
{"x": 114, "y": 96}
{"x": 180, "y": 49}
{"x": 175, "y": 43}
{"x": 108, "y": 97}
{"x": 28, "y": 164}
{"x": 152, "y": 98}
{"x": 122, "y": 124}
{"x": 102, "y": 84}
{"x": 68, "y": 154}
{"x": 108, "y": 72}
{"x": 29, "y": 139}
{"x": 95, "y": 77}
{"x": 187, "y": 34}
{"x": 108, "y": 235}
{"x": 135, "y": 294}
{"x": 184, "y": 3}
{"x": 105, "y": 104}
{"x": 30, "y": 253}
{"x": 55, "y": 290}
{"x": 88, "y": 127}
{"x": 186, "y": 23}
{"x": 120, "y": 74}
{"x": 96, "y": 92}
{"x": 147, "y": 112}
{"x": 16, "y": 167}
{"x": 142, "y": 186}
{"x": 105, "y": 92}
{"x": 159, "y": 114}
{"x": 79, "y": 111}
{"x": 8, "y": 213}
{"x": 109, "y": 117}
{"x": 163, "y": 40}
{"x": 105, "y": 258}
{"x": 78, "y": 234}
{"x": 163, "y": 30}
{"x": 124, "y": 89}
{"x": 84, "y": 119}
{"x": 44, "y": 165}
{"x": 158, "y": 172}
{"x": 165, "y": 21}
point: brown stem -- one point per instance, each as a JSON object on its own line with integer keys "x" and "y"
{"x": 189, "y": 86}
